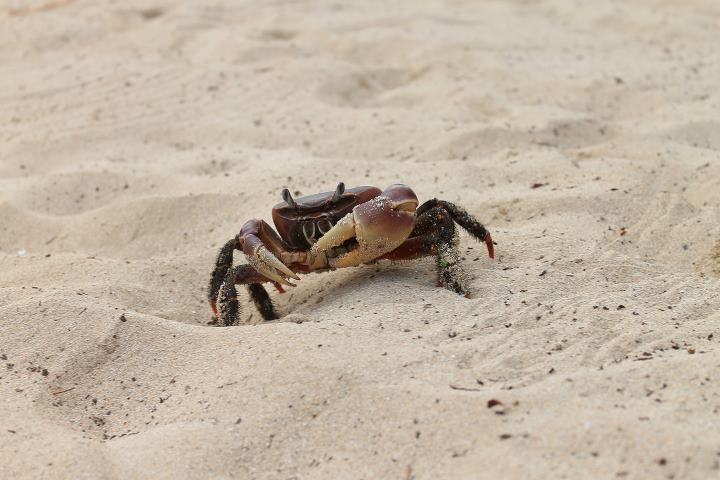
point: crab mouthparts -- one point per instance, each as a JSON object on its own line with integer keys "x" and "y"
{"x": 338, "y": 241}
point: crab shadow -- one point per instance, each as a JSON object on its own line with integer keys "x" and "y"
{"x": 394, "y": 282}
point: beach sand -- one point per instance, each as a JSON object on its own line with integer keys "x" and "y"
{"x": 137, "y": 138}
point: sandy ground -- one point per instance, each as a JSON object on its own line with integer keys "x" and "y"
{"x": 136, "y": 138}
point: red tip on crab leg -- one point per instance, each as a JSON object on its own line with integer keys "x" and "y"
{"x": 490, "y": 246}
{"x": 213, "y": 305}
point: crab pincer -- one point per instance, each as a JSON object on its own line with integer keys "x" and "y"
{"x": 266, "y": 263}
{"x": 256, "y": 240}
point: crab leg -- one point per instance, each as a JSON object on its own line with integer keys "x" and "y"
{"x": 469, "y": 223}
{"x": 222, "y": 265}
{"x": 229, "y": 306}
{"x": 435, "y": 235}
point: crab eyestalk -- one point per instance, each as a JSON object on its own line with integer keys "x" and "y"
{"x": 287, "y": 196}
{"x": 372, "y": 229}
{"x": 338, "y": 192}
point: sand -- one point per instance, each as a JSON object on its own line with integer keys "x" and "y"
{"x": 136, "y": 139}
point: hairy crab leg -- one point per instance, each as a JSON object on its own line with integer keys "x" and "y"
{"x": 229, "y": 313}
{"x": 435, "y": 234}
{"x": 460, "y": 216}
{"x": 222, "y": 265}
{"x": 244, "y": 274}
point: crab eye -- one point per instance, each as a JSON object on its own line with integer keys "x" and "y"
{"x": 338, "y": 192}
{"x": 288, "y": 198}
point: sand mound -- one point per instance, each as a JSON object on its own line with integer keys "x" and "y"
{"x": 137, "y": 140}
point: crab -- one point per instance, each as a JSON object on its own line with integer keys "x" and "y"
{"x": 343, "y": 228}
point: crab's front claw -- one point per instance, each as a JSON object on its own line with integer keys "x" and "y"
{"x": 264, "y": 261}
{"x": 371, "y": 230}
{"x": 343, "y": 231}
{"x": 268, "y": 265}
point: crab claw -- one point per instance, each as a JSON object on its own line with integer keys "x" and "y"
{"x": 342, "y": 231}
{"x": 268, "y": 265}
{"x": 371, "y": 230}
